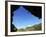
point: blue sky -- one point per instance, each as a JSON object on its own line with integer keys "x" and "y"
{"x": 23, "y": 18}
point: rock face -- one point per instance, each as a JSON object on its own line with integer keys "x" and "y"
{"x": 35, "y": 10}
{"x": 13, "y": 28}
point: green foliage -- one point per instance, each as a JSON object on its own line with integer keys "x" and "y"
{"x": 31, "y": 28}
{"x": 19, "y": 30}
{"x": 37, "y": 27}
